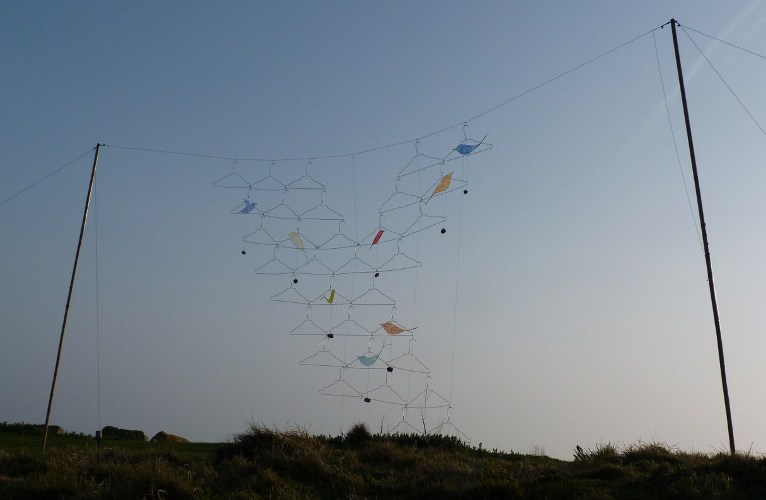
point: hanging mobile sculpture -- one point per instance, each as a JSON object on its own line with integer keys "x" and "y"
{"x": 308, "y": 252}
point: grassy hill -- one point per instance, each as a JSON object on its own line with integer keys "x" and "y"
{"x": 263, "y": 463}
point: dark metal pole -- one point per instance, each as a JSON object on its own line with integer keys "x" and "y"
{"x": 69, "y": 296}
{"x": 704, "y": 242}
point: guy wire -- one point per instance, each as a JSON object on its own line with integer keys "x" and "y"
{"x": 726, "y": 84}
{"x": 675, "y": 143}
{"x": 98, "y": 320}
{"x": 59, "y": 169}
{"x": 723, "y": 42}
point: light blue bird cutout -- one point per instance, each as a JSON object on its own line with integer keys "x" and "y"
{"x": 368, "y": 358}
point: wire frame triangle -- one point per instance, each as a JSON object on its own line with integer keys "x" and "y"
{"x": 404, "y": 427}
{"x": 340, "y": 388}
{"x": 373, "y": 297}
{"x": 281, "y": 211}
{"x": 415, "y": 164}
{"x": 354, "y": 265}
{"x": 308, "y": 327}
{"x": 350, "y": 328}
{"x": 324, "y": 300}
{"x": 399, "y": 262}
{"x": 321, "y": 212}
{"x": 323, "y": 358}
{"x": 447, "y": 428}
{"x": 274, "y": 267}
{"x": 409, "y": 363}
{"x": 314, "y": 267}
{"x": 306, "y": 182}
{"x": 337, "y": 242}
{"x": 428, "y": 399}
{"x": 290, "y": 295}
{"x": 268, "y": 183}
{"x": 232, "y": 180}
{"x": 260, "y": 237}
{"x": 385, "y": 394}
{"x": 399, "y": 200}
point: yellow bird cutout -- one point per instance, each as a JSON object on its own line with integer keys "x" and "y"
{"x": 393, "y": 329}
{"x": 296, "y": 239}
{"x": 443, "y": 185}
{"x": 332, "y": 296}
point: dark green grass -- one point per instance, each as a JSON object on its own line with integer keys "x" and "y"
{"x": 266, "y": 463}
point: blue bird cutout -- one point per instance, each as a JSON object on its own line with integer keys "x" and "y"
{"x": 249, "y": 206}
{"x": 465, "y": 149}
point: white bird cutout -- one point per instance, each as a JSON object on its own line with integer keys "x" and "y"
{"x": 297, "y": 241}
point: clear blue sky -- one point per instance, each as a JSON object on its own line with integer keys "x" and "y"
{"x": 582, "y": 313}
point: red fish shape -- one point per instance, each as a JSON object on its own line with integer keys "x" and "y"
{"x": 377, "y": 237}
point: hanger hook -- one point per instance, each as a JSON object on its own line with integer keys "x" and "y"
{"x": 465, "y": 126}
{"x": 417, "y": 142}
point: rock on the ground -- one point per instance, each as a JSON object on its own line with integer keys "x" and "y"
{"x": 52, "y": 429}
{"x": 110, "y": 432}
{"x": 164, "y": 437}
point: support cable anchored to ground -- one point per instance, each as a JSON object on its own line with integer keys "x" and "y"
{"x": 726, "y": 84}
{"x": 722, "y": 41}
{"x": 38, "y": 181}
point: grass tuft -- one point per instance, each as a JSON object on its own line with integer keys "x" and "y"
{"x": 358, "y": 434}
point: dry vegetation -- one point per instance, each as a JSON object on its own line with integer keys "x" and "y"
{"x": 264, "y": 463}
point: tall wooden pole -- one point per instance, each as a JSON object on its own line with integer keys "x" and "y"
{"x": 711, "y": 285}
{"x": 69, "y": 296}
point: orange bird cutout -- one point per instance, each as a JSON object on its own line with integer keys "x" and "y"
{"x": 443, "y": 185}
{"x": 393, "y": 329}
{"x": 377, "y": 237}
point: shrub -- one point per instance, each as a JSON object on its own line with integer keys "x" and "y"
{"x": 358, "y": 434}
